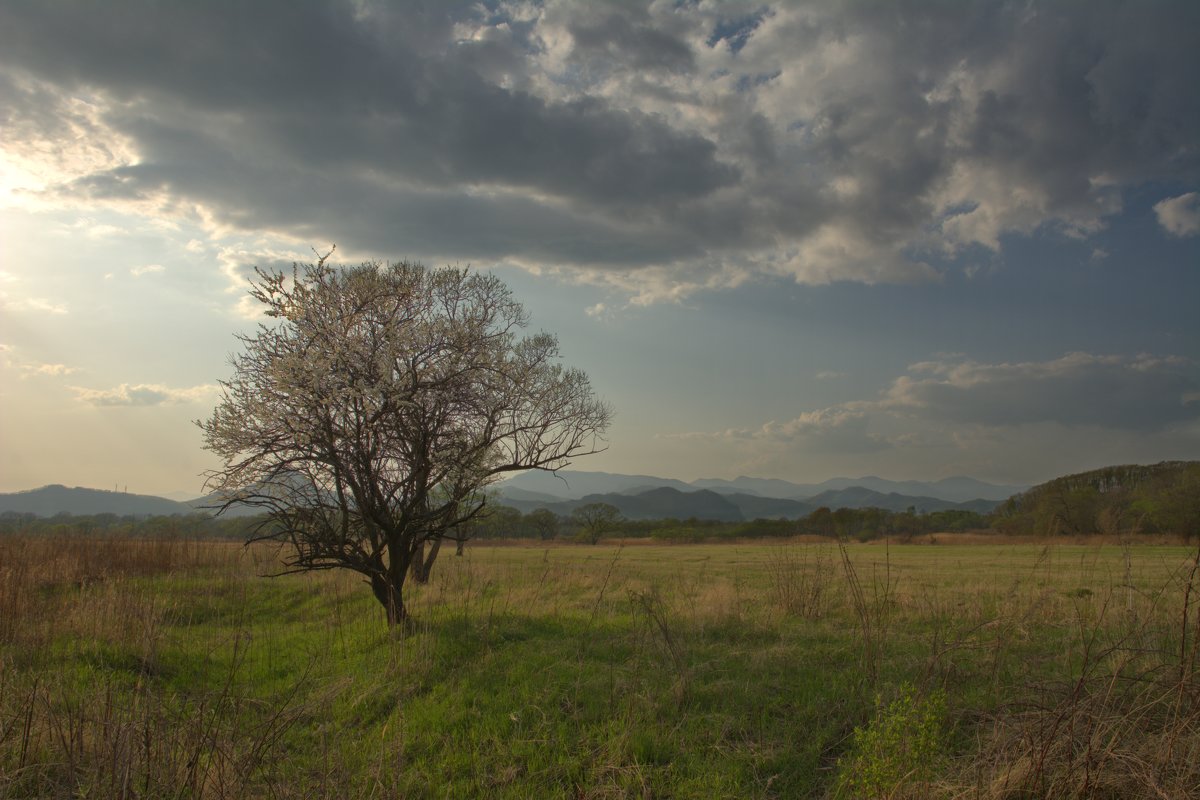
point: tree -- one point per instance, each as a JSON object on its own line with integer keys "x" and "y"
{"x": 366, "y": 419}
{"x": 496, "y": 522}
{"x": 544, "y": 521}
{"x": 820, "y": 522}
{"x": 492, "y": 522}
{"x": 596, "y": 519}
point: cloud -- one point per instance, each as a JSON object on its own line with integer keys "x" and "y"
{"x": 1142, "y": 393}
{"x": 10, "y": 360}
{"x": 49, "y": 369}
{"x": 1180, "y": 216}
{"x": 32, "y": 304}
{"x": 959, "y": 414}
{"x": 604, "y": 36}
{"x": 142, "y": 394}
{"x": 658, "y": 148}
{"x": 842, "y": 429}
{"x": 147, "y": 269}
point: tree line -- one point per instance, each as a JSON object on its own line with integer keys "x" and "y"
{"x": 595, "y": 521}
{"x": 589, "y": 524}
{"x": 129, "y": 526}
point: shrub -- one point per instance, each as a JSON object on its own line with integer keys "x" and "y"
{"x": 899, "y": 751}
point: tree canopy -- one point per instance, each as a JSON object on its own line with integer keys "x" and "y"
{"x": 368, "y": 414}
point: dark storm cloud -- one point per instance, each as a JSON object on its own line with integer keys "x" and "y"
{"x": 628, "y": 40}
{"x": 418, "y": 221}
{"x": 833, "y": 141}
{"x": 325, "y": 90}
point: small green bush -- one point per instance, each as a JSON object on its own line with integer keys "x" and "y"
{"x": 899, "y": 751}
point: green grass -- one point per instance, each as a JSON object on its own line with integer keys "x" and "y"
{"x": 577, "y": 671}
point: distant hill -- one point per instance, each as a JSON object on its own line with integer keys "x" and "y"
{"x": 963, "y": 489}
{"x": 956, "y": 490}
{"x": 49, "y": 501}
{"x": 861, "y": 497}
{"x": 55, "y": 499}
{"x": 572, "y": 485}
{"x": 1131, "y": 498}
{"x": 637, "y": 496}
{"x": 514, "y": 493}
{"x": 668, "y": 503}
{"x": 211, "y": 502}
{"x": 663, "y": 502}
{"x": 755, "y": 507}
{"x": 763, "y": 487}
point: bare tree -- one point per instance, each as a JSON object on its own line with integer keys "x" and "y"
{"x": 367, "y": 418}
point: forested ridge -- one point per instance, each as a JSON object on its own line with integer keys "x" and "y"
{"x": 1130, "y": 498}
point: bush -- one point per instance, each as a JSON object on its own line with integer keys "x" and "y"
{"x": 900, "y": 751}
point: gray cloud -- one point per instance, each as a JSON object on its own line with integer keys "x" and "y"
{"x": 620, "y": 37}
{"x": 1142, "y": 393}
{"x": 1013, "y": 421}
{"x": 839, "y": 429}
{"x": 679, "y": 146}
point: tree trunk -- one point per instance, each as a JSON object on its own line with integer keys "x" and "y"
{"x": 458, "y": 548}
{"x": 422, "y": 563}
{"x": 391, "y": 597}
{"x": 387, "y": 582}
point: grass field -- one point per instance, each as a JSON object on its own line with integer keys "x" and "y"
{"x": 992, "y": 669}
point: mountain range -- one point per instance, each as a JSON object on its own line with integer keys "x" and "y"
{"x": 637, "y": 496}
{"x": 573, "y": 485}
{"x": 744, "y": 498}
{"x": 49, "y": 501}
{"x": 667, "y": 502}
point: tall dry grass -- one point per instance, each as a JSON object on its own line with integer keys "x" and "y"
{"x": 115, "y": 731}
{"x": 1124, "y": 722}
{"x": 84, "y": 582}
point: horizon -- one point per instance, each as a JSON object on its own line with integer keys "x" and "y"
{"x": 182, "y": 495}
{"x": 789, "y": 239}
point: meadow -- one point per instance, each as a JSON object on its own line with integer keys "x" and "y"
{"x": 955, "y": 666}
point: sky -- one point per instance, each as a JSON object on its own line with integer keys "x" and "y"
{"x": 784, "y": 239}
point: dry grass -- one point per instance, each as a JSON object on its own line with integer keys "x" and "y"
{"x": 113, "y": 730}
{"x": 1124, "y": 722}
{"x": 79, "y": 585}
